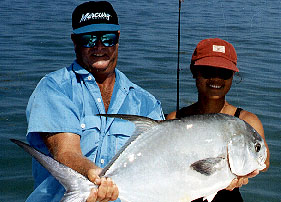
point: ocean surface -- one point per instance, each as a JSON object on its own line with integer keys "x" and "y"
{"x": 35, "y": 40}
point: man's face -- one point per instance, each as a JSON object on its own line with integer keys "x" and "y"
{"x": 98, "y": 55}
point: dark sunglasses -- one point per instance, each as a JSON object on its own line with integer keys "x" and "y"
{"x": 90, "y": 40}
{"x": 212, "y": 72}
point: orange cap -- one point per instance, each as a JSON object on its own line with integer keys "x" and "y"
{"x": 216, "y": 53}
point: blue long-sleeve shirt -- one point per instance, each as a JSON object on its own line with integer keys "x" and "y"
{"x": 68, "y": 100}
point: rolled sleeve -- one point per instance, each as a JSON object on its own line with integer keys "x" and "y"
{"x": 51, "y": 110}
{"x": 157, "y": 112}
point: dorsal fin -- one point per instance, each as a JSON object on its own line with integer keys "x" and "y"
{"x": 141, "y": 123}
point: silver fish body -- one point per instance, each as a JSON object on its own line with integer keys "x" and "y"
{"x": 180, "y": 160}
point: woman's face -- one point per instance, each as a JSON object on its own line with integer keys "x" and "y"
{"x": 212, "y": 82}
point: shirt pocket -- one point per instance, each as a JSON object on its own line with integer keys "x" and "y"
{"x": 91, "y": 130}
{"x": 121, "y": 131}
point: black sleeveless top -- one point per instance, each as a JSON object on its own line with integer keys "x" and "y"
{"x": 225, "y": 195}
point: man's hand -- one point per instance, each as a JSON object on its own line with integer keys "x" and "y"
{"x": 107, "y": 190}
{"x": 241, "y": 180}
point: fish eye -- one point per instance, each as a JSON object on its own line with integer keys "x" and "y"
{"x": 257, "y": 147}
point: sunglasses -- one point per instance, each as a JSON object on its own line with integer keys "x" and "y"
{"x": 90, "y": 40}
{"x": 212, "y": 72}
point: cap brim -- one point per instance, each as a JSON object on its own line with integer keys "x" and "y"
{"x": 217, "y": 62}
{"x": 97, "y": 28}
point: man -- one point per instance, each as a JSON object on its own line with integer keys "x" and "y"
{"x": 62, "y": 110}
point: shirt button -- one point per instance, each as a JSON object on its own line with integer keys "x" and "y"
{"x": 102, "y": 161}
{"x": 89, "y": 78}
{"x": 99, "y": 100}
{"x": 83, "y": 125}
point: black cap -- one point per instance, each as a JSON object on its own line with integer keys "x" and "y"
{"x": 94, "y": 16}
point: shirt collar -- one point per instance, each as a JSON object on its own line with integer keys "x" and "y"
{"x": 121, "y": 79}
{"x": 124, "y": 83}
{"x": 78, "y": 68}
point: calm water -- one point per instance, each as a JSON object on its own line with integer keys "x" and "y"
{"x": 35, "y": 39}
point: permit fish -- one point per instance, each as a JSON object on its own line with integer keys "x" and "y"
{"x": 175, "y": 160}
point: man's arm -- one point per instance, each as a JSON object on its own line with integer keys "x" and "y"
{"x": 65, "y": 148}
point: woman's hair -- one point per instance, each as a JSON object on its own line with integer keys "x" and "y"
{"x": 193, "y": 70}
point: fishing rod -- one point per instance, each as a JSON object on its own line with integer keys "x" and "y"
{"x": 178, "y": 64}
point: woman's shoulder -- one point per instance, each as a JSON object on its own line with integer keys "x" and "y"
{"x": 241, "y": 113}
{"x": 248, "y": 116}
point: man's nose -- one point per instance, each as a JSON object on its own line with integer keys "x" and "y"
{"x": 99, "y": 44}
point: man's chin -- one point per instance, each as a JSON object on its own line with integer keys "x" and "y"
{"x": 100, "y": 65}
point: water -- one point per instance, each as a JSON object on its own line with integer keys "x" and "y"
{"x": 35, "y": 39}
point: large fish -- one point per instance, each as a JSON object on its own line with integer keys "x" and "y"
{"x": 175, "y": 160}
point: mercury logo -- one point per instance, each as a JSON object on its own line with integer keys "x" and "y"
{"x": 89, "y": 16}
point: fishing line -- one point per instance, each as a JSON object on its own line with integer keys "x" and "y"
{"x": 224, "y": 19}
{"x": 237, "y": 76}
{"x": 237, "y": 80}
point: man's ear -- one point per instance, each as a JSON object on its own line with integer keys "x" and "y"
{"x": 118, "y": 36}
{"x": 73, "y": 38}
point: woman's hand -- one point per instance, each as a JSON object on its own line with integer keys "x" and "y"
{"x": 241, "y": 180}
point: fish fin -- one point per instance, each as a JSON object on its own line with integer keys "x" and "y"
{"x": 210, "y": 197}
{"x": 207, "y": 166}
{"x": 75, "y": 184}
{"x": 142, "y": 123}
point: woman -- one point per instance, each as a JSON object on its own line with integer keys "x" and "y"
{"x": 213, "y": 65}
